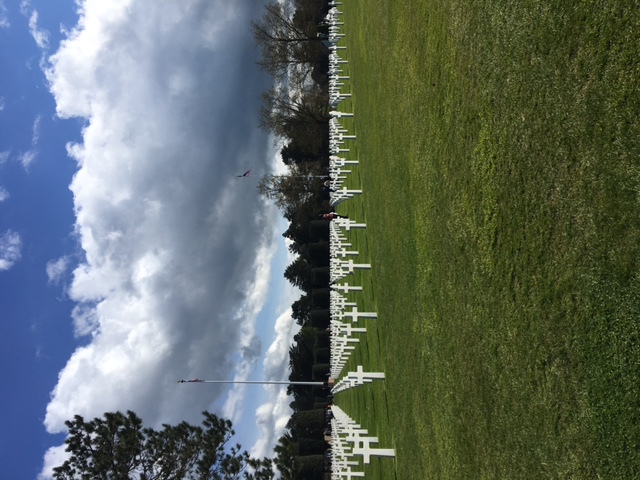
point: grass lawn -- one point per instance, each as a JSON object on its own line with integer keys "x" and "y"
{"x": 499, "y": 144}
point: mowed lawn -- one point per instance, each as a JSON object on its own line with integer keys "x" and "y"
{"x": 499, "y": 144}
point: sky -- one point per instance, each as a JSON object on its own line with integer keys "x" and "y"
{"x": 130, "y": 254}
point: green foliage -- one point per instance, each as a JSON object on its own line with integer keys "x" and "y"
{"x": 320, "y": 370}
{"x": 301, "y": 354}
{"x": 320, "y": 277}
{"x": 298, "y": 273}
{"x": 286, "y": 451}
{"x": 317, "y": 254}
{"x": 323, "y": 355}
{"x": 301, "y": 360}
{"x": 307, "y": 424}
{"x": 323, "y": 339}
{"x": 319, "y": 230}
{"x": 312, "y": 446}
{"x": 118, "y": 447}
{"x": 311, "y": 467}
{"x": 320, "y": 297}
{"x": 300, "y": 309}
{"x": 320, "y": 319}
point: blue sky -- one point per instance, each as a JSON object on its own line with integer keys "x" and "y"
{"x": 130, "y": 255}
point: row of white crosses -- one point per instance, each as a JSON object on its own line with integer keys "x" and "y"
{"x": 342, "y": 334}
{"x": 338, "y": 135}
{"x": 348, "y": 439}
{"x": 357, "y": 378}
{"x": 344, "y": 313}
{"x": 340, "y": 250}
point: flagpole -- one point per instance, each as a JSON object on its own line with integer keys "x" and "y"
{"x": 254, "y": 382}
{"x": 247, "y": 174}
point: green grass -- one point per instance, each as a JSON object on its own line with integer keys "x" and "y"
{"x": 500, "y": 160}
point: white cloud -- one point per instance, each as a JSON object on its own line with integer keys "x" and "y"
{"x": 40, "y": 36}
{"x": 177, "y": 252}
{"x": 10, "y": 249}
{"x": 271, "y": 421}
{"x": 54, "y": 457}
{"x": 27, "y": 158}
{"x": 4, "y": 156}
{"x": 249, "y": 349}
{"x": 3, "y": 102}
{"x": 272, "y": 417}
{"x": 57, "y": 268}
{"x": 4, "y": 194}
{"x": 4, "y": 18}
{"x": 24, "y": 7}
{"x": 35, "y": 130}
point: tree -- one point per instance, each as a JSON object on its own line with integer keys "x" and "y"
{"x": 291, "y": 191}
{"x": 311, "y": 467}
{"x": 317, "y": 254}
{"x": 298, "y": 273}
{"x": 299, "y": 111}
{"x": 300, "y": 151}
{"x": 300, "y": 310}
{"x": 301, "y": 364}
{"x": 286, "y": 451}
{"x": 118, "y": 447}
{"x": 307, "y": 424}
{"x": 287, "y": 38}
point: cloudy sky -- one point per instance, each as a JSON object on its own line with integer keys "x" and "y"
{"x": 130, "y": 255}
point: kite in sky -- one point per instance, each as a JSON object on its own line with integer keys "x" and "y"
{"x": 245, "y": 174}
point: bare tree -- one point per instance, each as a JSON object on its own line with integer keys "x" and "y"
{"x": 287, "y": 38}
{"x": 292, "y": 190}
{"x": 285, "y": 109}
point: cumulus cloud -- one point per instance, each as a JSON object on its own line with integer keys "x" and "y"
{"x": 54, "y": 457}
{"x": 4, "y": 194}
{"x": 10, "y": 249}
{"x": 267, "y": 427}
{"x": 176, "y": 250}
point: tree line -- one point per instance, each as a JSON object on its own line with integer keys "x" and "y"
{"x": 292, "y": 40}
